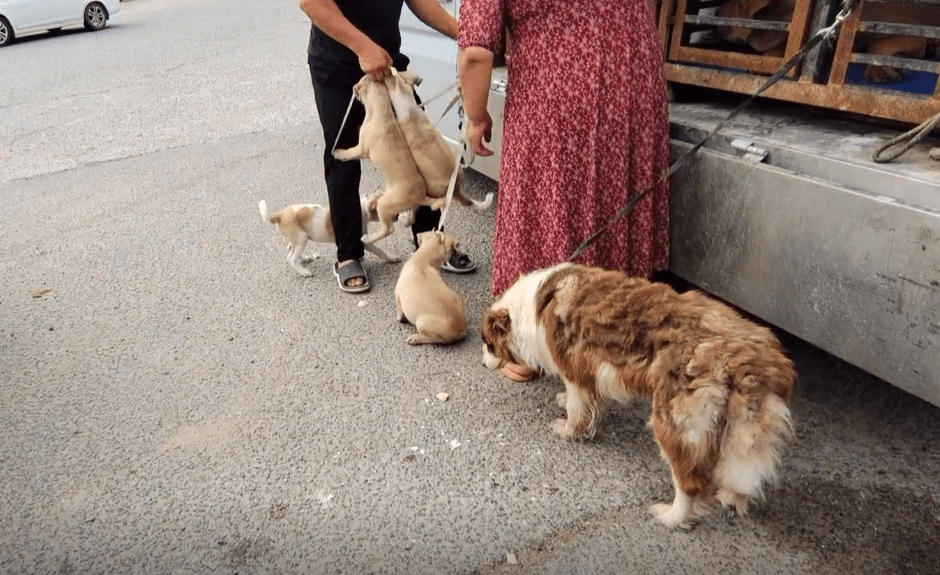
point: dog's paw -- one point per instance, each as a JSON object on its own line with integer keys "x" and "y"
{"x": 668, "y": 516}
{"x": 883, "y": 75}
{"x": 562, "y": 399}
{"x": 418, "y": 339}
{"x": 560, "y": 426}
{"x": 303, "y": 271}
{"x": 307, "y": 259}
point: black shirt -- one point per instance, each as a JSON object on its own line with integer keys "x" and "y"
{"x": 377, "y": 19}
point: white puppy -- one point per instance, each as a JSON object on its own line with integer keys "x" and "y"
{"x": 302, "y": 222}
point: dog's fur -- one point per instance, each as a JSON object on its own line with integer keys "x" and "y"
{"x": 434, "y": 157}
{"x": 302, "y": 222}
{"x": 720, "y": 385}
{"x": 381, "y": 140}
{"x": 772, "y": 41}
{"x": 900, "y": 46}
{"x": 763, "y": 41}
{"x": 424, "y": 299}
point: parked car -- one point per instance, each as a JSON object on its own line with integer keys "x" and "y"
{"x": 21, "y": 17}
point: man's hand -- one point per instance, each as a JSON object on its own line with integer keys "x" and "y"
{"x": 375, "y": 61}
{"x": 478, "y": 132}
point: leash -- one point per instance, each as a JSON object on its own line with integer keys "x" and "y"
{"x": 343, "y": 125}
{"x": 823, "y": 34}
{"x": 458, "y": 159}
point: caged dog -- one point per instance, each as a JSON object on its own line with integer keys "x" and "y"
{"x": 424, "y": 299}
{"x": 434, "y": 157}
{"x": 381, "y": 140}
{"x": 300, "y": 223}
{"x": 720, "y": 385}
{"x": 773, "y": 42}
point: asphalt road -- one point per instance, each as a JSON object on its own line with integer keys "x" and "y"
{"x": 175, "y": 399}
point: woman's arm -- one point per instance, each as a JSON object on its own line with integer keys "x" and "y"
{"x": 476, "y": 73}
{"x": 373, "y": 59}
{"x": 434, "y": 15}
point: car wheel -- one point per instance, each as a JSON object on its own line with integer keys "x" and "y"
{"x": 95, "y": 16}
{"x": 6, "y": 32}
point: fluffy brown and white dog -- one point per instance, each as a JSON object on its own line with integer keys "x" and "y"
{"x": 423, "y": 298}
{"x": 435, "y": 158}
{"x": 719, "y": 384}
{"x": 300, "y": 223}
{"x": 381, "y": 140}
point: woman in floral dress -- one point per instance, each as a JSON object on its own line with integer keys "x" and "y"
{"x": 586, "y": 127}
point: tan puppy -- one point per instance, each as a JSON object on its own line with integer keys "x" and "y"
{"x": 302, "y": 222}
{"x": 434, "y": 157}
{"x": 422, "y": 297}
{"x": 381, "y": 140}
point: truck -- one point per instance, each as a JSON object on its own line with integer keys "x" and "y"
{"x": 784, "y": 212}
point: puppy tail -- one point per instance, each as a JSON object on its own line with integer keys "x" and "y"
{"x": 273, "y": 218}
{"x": 477, "y": 205}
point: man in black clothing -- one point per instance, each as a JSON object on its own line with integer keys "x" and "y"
{"x": 350, "y": 38}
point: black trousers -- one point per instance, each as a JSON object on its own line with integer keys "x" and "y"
{"x": 332, "y": 89}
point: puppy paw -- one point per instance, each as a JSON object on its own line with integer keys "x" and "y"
{"x": 562, "y": 399}
{"x": 406, "y": 218}
{"x": 303, "y": 271}
{"x": 667, "y": 515}
{"x": 418, "y": 339}
{"x": 307, "y": 259}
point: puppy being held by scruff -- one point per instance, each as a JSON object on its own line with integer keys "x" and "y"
{"x": 424, "y": 299}
{"x": 719, "y": 384}
{"x": 381, "y": 141}
{"x": 434, "y": 157}
{"x": 301, "y": 223}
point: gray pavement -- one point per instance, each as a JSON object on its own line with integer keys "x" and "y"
{"x": 175, "y": 399}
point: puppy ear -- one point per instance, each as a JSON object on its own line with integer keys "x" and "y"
{"x": 496, "y": 331}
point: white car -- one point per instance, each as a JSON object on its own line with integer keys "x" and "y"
{"x": 19, "y": 17}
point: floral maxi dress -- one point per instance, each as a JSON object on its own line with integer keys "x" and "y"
{"x": 585, "y": 128}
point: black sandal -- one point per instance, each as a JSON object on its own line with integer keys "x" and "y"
{"x": 350, "y": 271}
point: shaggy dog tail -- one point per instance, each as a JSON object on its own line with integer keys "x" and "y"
{"x": 757, "y": 423}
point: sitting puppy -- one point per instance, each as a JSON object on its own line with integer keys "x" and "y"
{"x": 381, "y": 140}
{"x": 302, "y": 222}
{"x": 422, "y": 297}
{"x": 719, "y": 384}
{"x": 434, "y": 157}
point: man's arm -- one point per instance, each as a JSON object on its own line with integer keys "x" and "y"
{"x": 373, "y": 60}
{"x": 434, "y": 15}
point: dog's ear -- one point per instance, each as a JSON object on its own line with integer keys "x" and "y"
{"x": 496, "y": 331}
{"x": 361, "y": 89}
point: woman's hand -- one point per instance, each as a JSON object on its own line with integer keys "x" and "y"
{"x": 375, "y": 61}
{"x": 478, "y": 132}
